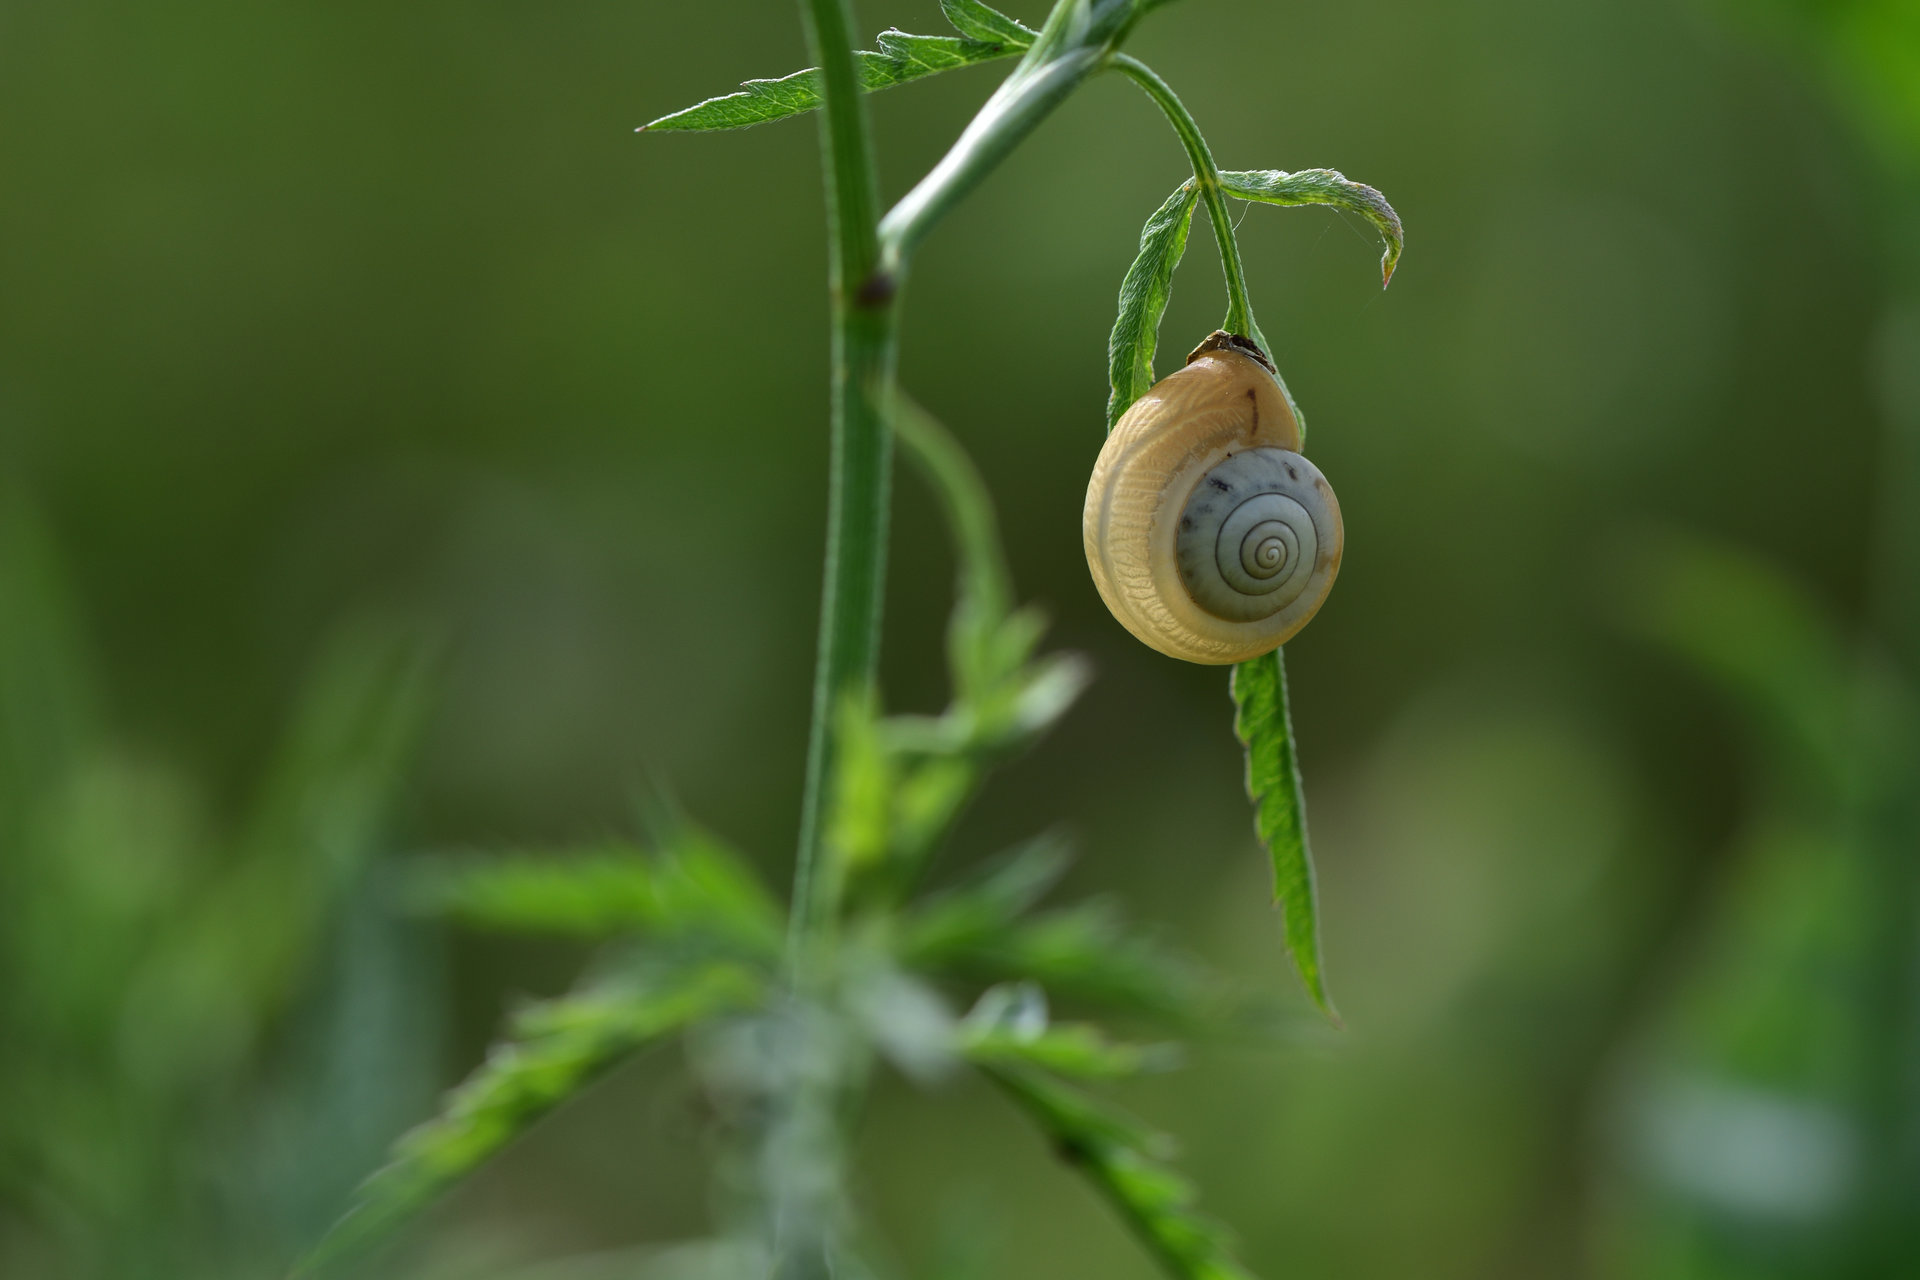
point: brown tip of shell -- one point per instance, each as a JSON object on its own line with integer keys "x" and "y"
{"x": 1221, "y": 340}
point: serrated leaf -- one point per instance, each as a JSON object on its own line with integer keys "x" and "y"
{"x": 552, "y": 1050}
{"x": 692, "y": 886}
{"x": 1327, "y": 187}
{"x": 1265, "y": 729}
{"x": 1143, "y": 299}
{"x": 901, "y": 57}
{"x": 1123, "y": 1161}
{"x": 977, "y": 21}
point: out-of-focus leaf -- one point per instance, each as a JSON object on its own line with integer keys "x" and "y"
{"x": 692, "y": 885}
{"x": 972, "y": 913}
{"x": 1123, "y": 1161}
{"x": 905, "y": 1018}
{"x": 553, "y": 1048}
{"x": 1280, "y": 809}
{"x": 1328, "y": 187}
{"x": 233, "y": 963}
{"x": 1144, "y": 292}
{"x": 977, "y": 21}
{"x": 1085, "y": 952}
{"x": 900, "y": 58}
{"x": 47, "y": 703}
{"x": 1008, "y": 1027}
{"x": 1748, "y": 627}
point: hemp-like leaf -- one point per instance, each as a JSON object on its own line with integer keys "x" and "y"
{"x": 901, "y": 57}
{"x": 1143, "y": 299}
{"x": 1265, "y": 729}
{"x": 1328, "y": 187}
{"x": 552, "y": 1050}
{"x": 691, "y": 885}
{"x": 1123, "y": 1160}
{"x": 977, "y": 21}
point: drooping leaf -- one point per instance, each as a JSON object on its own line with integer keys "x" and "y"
{"x": 901, "y": 57}
{"x": 1125, "y": 1163}
{"x": 1328, "y": 187}
{"x": 1143, "y": 299}
{"x": 693, "y": 885}
{"x": 553, "y": 1049}
{"x": 977, "y": 21}
{"x": 1265, "y": 729}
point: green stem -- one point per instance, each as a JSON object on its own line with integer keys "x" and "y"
{"x": 865, "y": 339}
{"x": 1239, "y": 307}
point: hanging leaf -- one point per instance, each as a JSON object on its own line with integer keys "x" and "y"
{"x": 1328, "y": 187}
{"x": 1143, "y": 299}
{"x": 1265, "y": 729}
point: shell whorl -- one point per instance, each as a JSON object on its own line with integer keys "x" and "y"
{"x": 1208, "y": 534}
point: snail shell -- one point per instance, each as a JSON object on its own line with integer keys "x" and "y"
{"x": 1209, "y": 535}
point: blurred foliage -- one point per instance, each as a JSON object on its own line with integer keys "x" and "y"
{"x": 698, "y": 956}
{"x": 308, "y": 309}
{"x": 204, "y": 1030}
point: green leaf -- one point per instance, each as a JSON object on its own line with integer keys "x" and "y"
{"x": 1124, "y": 1162}
{"x": 1328, "y": 187}
{"x": 691, "y": 886}
{"x": 1265, "y": 729}
{"x": 1143, "y": 299}
{"x": 900, "y": 58}
{"x": 978, "y": 931}
{"x": 1767, "y": 642}
{"x": 969, "y": 915}
{"x": 553, "y": 1049}
{"x": 977, "y": 21}
{"x": 49, "y": 716}
{"x": 1003, "y": 1030}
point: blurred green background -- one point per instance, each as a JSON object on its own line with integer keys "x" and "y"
{"x": 396, "y": 453}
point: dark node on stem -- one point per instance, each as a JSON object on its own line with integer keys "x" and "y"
{"x": 876, "y": 290}
{"x": 1221, "y": 340}
{"x": 1072, "y": 1151}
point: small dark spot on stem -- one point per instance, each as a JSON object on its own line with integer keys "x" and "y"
{"x": 1072, "y": 1151}
{"x": 876, "y": 290}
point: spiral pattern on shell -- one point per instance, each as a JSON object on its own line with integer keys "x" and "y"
{"x": 1248, "y": 540}
{"x": 1208, "y": 534}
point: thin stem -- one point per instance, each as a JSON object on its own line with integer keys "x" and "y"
{"x": 865, "y": 339}
{"x": 1071, "y": 46}
{"x": 1239, "y": 307}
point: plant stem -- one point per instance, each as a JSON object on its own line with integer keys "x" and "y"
{"x": 865, "y": 338}
{"x": 1239, "y": 307}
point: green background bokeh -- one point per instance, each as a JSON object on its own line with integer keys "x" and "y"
{"x": 309, "y": 312}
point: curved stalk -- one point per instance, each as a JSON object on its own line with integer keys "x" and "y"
{"x": 1207, "y": 174}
